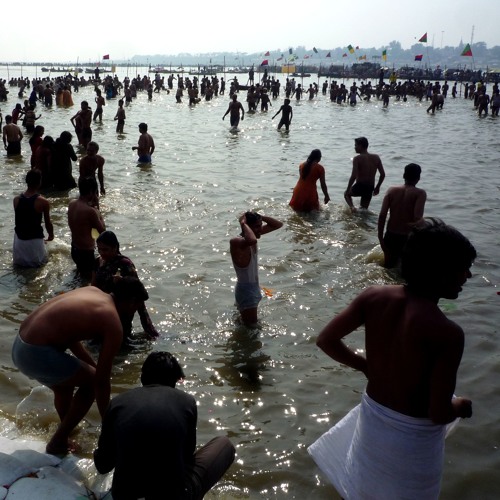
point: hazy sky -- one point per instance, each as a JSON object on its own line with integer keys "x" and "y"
{"x": 88, "y": 29}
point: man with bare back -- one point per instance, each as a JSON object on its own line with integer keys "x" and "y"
{"x": 61, "y": 324}
{"x": 405, "y": 204}
{"x": 364, "y": 169}
{"x": 393, "y": 442}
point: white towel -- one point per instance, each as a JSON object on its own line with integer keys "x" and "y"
{"x": 377, "y": 453}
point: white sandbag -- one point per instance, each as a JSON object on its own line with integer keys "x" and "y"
{"x": 30, "y": 453}
{"x": 51, "y": 484}
{"x": 11, "y": 469}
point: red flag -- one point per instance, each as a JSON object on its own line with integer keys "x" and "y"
{"x": 106, "y": 56}
{"x": 467, "y": 51}
{"x": 344, "y": 55}
{"x": 423, "y": 38}
{"x": 265, "y": 62}
{"x": 267, "y": 54}
{"x": 329, "y": 54}
{"x": 306, "y": 57}
{"x": 419, "y": 57}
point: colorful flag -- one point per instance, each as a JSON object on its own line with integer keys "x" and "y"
{"x": 267, "y": 54}
{"x": 351, "y": 49}
{"x": 280, "y": 58}
{"x": 419, "y": 57}
{"x": 290, "y": 51}
{"x": 361, "y": 58}
{"x": 306, "y": 56}
{"x": 329, "y": 54}
{"x": 265, "y": 62}
{"x": 292, "y": 58}
{"x": 384, "y": 55}
{"x": 315, "y": 50}
{"x": 423, "y": 38}
{"x": 106, "y": 56}
{"x": 344, "y": 54}
{"x": 467, "y": 51}
{"x": 357, "y": 47}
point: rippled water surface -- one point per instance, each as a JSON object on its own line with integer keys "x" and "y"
{"x": 271, "y": 390}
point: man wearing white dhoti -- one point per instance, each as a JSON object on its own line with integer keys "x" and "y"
{"x": 392, "y": 444}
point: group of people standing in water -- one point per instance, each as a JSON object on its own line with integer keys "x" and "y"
{"x": 409, "y": 342}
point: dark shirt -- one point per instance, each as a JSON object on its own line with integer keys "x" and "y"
{"x": 28, "y": 220}
{"x": 148, "y": 436}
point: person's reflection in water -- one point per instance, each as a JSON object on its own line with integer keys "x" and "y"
{"x": 246, "y": 361}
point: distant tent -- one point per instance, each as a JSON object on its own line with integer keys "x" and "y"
{"x": 467, "y": 51}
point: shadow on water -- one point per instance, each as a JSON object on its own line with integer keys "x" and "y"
{"x": 245, "y": 362}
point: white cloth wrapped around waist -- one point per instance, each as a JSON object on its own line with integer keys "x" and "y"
{"x": 377, "y": 453}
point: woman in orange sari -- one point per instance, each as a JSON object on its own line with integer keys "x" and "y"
{"x": 305, "y": 196}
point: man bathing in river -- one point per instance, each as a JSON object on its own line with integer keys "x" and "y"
{"x": 362, "y": 180}
{"x": 62, "y": 323}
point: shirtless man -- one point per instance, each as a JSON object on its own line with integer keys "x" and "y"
{"x": 234, "y": 108}
{"x": 286, "y": 117}
{"x": 413, "y": 352}
{"x": 244, "y": 255}
{"x": 62, "y": 323}
{"x": 406, "y": 206}
{"x": 362, "y": 180}
{"x": 12, "y": 136}
{"x": 146, "y": 145}
{"x": 83, "y": 217}
{"x": 100, "y": 102}
{"x": 82, "y": 121}
{"x": 92, "y": 163}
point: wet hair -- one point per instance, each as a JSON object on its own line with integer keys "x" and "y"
{"x": 412, "y": 172}
{"x": 362, "y": 141}
{"x": 433, "y": 254}
{"x": 87, "y": 185}
{"x": 109, "y": 238}
{"x": 143, "y": 126}
{"x": 161, "y": 368}
{"x": 48, "y": 141}
{"x": 252, "y": 218}
{"x": 314, "y": 157}
{"x": 33, "y": 178}
{"x": 65, "y": 137}
{"x": 94, "y": 144}
{"x": 38, "y": 131}
{"x": 130, "y": 288}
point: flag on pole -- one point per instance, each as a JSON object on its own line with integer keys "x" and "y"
{"x": 280, "y": 58}
{"x": 290, "y": 51}
{"x": 267, "y": 54}
{"x": 423, "y": 38}
{"x": 467, "y": 51}
{"x": 307, "y": 56}
{"x": 357, "y": 47}
{"x": 265, "y": 62}
{"x": 351, "y": 49}
{"x": 106, "y": 56}
{"x": 361, "y": 58}
{"x": 384, "y": 55}
{"x": 315, "y": 50}
{"x": 329, "y": 54}
{"x": 344, "y": 54}
{"x": 419, "y": 57}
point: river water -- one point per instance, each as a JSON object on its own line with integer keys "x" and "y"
{"x": 270, "y": 390}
